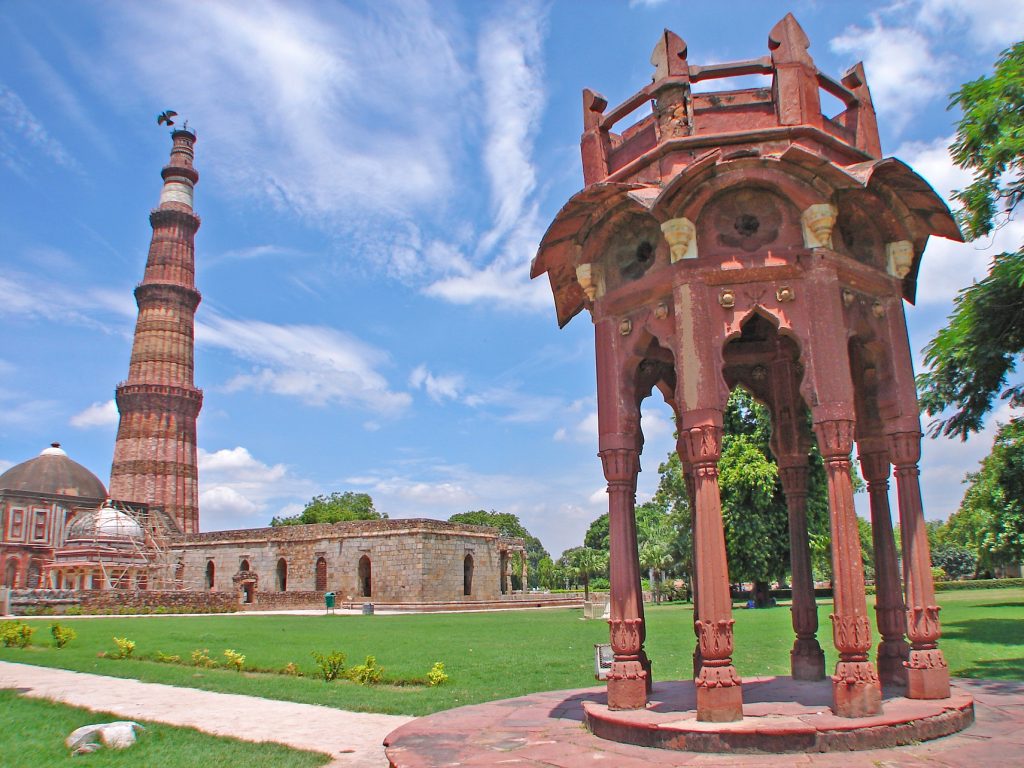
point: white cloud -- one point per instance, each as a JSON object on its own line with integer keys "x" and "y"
{"x": 902, "y": 70}
{"x": 315, "y": 364}
{"x": 32, "y": 297}
{"x": 237, "y": 490}
{"x": 989, "y": 24}
{"x": 18, "y": 128}
{"x": 96, "y": 415}
{"x": 347, "y": 111}
{"x": 511, "y": 71}
{"x": 439, "y": 388}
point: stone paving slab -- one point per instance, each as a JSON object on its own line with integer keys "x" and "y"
{"x": 545, "y": 730}
{"x": 352, "y": 739}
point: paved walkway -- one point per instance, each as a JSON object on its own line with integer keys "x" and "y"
{"x": 353, "y": 739}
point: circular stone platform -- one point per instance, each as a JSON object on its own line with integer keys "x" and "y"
{"x": 779, "y": 715}
{"x": 545, "y": 730}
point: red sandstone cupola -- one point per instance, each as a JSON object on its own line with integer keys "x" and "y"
{"x": 155, "y": 453}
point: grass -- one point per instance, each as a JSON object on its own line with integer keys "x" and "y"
{"x": 487, "y": 655}
{"x": 32, "y": 733}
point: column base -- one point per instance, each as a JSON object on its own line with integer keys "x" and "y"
{"x": 719, "y": 704}
{"x": 645, "y": 662}
{"x": 927, "y": 675}
{"x": 856, "y": 690}
{"x": 807, "y": 661}
{"x": 891, "y": 657}
{"x": 627, "y": 685}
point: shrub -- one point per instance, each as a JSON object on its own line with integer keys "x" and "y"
{"x": 62, "y": 635}
{"x": 167, "y": 658}
{"x": 938, "y": 574}
{"x": 201, "y": 658}
{"x": 291, "y": 668}
{"x": 234, "y": 659}
{"x": 331, "y": 666}
{"x": 125, "y": 648}
{"x": 437, "y": 675}
{"x": 16, "y": 634}
{"x": 74, "y": 610}
{"x": 367, "y": 673}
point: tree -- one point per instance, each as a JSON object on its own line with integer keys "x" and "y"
{"x": 972, "y": 358}
{"x": 991, "y": 515}
{"x": 508, "y": 525}
{"x": 654, "y": 536}
{"x": 547, "y": 576}
{"x": 336, "y": 508}
{"x": 588, "y": 562}
{"x": 957, "y": 562}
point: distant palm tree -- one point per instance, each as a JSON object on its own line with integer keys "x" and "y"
{"x": 588, "y": 562}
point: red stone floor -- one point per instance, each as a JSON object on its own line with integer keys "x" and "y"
{"x": 545, "y": 730}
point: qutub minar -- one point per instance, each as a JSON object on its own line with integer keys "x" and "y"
{"x": 155, "y": 453}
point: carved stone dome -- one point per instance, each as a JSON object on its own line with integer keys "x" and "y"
{"x": 105, "y": 523}
{"x": 53, "y": 472}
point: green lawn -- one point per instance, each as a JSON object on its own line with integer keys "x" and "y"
{"x": 32, "y": 733}
{"x": 488, "y": 655}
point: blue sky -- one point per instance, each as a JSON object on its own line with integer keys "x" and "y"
{"x": 374, "y": 180}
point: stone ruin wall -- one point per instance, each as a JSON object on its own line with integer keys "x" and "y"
{"x": 412, "y": 561}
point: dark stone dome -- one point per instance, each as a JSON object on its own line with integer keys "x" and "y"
{"x": 53, "y": 472}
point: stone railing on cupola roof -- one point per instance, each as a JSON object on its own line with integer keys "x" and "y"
{"x": 683, "y": 123}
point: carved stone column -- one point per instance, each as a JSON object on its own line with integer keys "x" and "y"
{"x": 927, "y": 673}
{"x": 806, "y": 660}
{"x": 856, "y": 690}
{"x": 695, "y": 576}
{"x": 719, "y": 693}
{"x": 627, "y": 679}
{"x": 525, "y": 573}
{"x": 890, "y": 611}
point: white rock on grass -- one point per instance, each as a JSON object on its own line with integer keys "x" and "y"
{"x": 117, "y": 735}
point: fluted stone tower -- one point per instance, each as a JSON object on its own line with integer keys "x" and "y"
{"x": 155, "y": 453}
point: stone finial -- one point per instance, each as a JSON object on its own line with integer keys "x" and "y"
{"x": 591, "y": 279}
{"x": 669, "y": 57}
{"x": 594, "y": 105}
{"x": 788, "y": 42}
{"x": 899, "y": 258}
{"x": 817, "y": 223}
{"x": 681, "y": 235}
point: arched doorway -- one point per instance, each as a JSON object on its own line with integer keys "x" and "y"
{"x": 247, "y": 581}
{"x": 320, "y": 584}
{"x": 467, "y": 576}
{"x": 11, "y": 573}
{"x": 210, "y": 570}
{"x": 503, "y": 572}
{"x": 282, "y": 575}
{"x": 365, "y": 577}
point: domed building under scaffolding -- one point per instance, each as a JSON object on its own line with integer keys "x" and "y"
{"x": 58, "y": 529}
{"x": 103, "y": 548}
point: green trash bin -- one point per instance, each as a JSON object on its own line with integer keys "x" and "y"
{"x": 329, "y": 601}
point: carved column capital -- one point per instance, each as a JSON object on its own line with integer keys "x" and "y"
{"x": 905, "y": 448}
{"x": 620, "y": 465}
{"x": 700, "y": 445}
{"x": 875, "y": 466}
{"x": 835, "y": 438}
{"x": 794, "y": 478}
